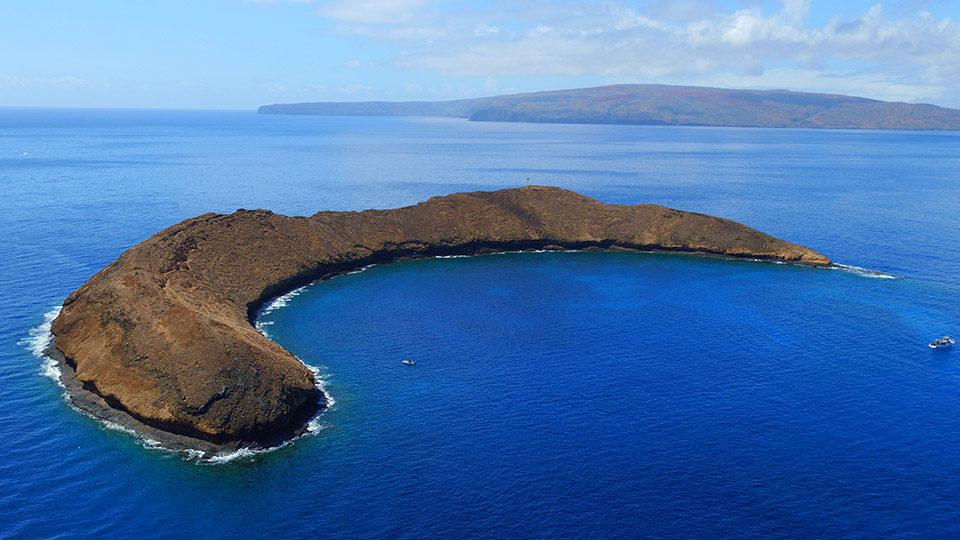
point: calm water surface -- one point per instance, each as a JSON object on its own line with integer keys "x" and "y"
{"x": 555, "y": 395}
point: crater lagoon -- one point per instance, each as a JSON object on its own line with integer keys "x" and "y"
{"x": 554, "y": 394}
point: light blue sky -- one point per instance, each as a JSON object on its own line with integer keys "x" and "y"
{"x": 239, "y": 54}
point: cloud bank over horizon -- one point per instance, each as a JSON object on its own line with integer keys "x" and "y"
{"x": 242, "y": 53}
{"x": 890, "y": 54}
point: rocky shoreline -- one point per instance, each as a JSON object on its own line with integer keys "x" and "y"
{"x": 96, "y": 406}
{"x": 162, "y": 342}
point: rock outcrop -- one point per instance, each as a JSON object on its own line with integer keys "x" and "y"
{"x": 163, "y": 335}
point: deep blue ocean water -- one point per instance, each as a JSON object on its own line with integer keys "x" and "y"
{"x": 555, "y": 394}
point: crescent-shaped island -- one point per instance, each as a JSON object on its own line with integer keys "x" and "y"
{"x": 161, "y": 340}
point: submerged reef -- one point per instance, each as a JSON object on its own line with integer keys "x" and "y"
{"x": 162, "y": 340}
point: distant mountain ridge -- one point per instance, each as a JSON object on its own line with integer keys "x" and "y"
{"x": 654, "y": 104}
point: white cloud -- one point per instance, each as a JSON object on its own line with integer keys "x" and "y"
{"x": 795, "y": 11}
{"x": 904, "y": 55}
{"x": 873, "y": 85}
{"x": 394, "y": 33}
{"x": 374, "y": 11}
{"x": 357, "y": 64}
{"x": 483, "y": 30}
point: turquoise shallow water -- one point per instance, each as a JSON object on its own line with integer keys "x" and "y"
{"x": 554, "y": 395}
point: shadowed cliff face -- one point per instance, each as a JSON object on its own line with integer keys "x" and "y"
{"x": 164, "y": 335}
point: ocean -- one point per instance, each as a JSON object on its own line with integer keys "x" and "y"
{"x": 555, "y": 395}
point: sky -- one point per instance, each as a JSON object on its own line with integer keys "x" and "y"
{"x": 239, "y": 54}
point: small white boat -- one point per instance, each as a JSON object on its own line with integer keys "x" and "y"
{"x": 409, "y": 362}
{"x": 941, "y": 343}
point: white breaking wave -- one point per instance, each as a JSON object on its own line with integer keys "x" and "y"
{"x": 37, "y": 342}
{"x": 284, "y": 299}
{"x": 261, "y": 327}
{"x": 281, "y": 301}
{"x": 40, "y": 338}
{"x": 273, "y": 305}
{"x": 220, "y": 459}
{"x": 358, "y": 270}
{"x": 318, "y": 375}
{"x": 321, "y": 377}
{"x": 198, "y": 456}
{"x": 314, "y": 426}
{"x": 864, "y": 272}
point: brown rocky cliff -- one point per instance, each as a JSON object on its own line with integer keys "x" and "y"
{"x": 164, "y": 332}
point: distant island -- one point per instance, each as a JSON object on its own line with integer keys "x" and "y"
{"x": 161, "y": 340}
{"x": 660, "y": 105}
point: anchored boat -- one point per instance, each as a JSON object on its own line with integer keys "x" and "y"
{"x": 941, "y": 343}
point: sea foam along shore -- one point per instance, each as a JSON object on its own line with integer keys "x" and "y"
{"x": 191, "y": 449}
{"x": 39, "y": 342}
{"x": 875, "y": 274}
